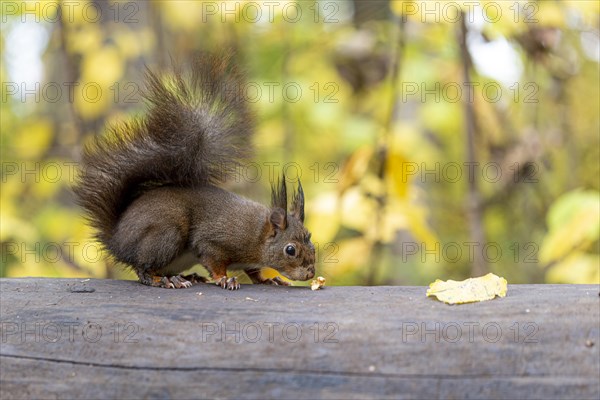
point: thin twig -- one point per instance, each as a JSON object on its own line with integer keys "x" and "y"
{"x": 474, "y": 205}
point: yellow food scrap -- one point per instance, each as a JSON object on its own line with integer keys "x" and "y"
{"x": 318, "y": 283}
{"x": 468, "y": 291}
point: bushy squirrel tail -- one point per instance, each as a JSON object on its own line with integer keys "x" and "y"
{"x": 196, "y": 131}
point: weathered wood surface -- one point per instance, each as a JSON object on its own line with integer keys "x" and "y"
{"x": 63, "y": 338}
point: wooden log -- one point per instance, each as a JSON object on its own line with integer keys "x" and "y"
{"x": 64, "y": 338}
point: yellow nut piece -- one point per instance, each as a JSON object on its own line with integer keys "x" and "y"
{"x": 318, "y": 283}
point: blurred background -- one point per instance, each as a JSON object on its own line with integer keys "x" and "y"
{"x": 433, "y": 139}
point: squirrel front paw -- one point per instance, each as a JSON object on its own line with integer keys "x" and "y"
{"x": 228, "y": 284}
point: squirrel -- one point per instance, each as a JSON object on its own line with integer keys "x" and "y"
{"x": 150, "y": 187}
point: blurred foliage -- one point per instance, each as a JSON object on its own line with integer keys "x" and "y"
{"x": 377, "y": 160}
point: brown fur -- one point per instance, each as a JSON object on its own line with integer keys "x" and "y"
{"x": 150, "y": 187}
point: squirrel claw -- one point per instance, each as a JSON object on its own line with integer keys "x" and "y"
{"x": 173, "y": 282}
{"x": 178, "y": 282}
{"x": 228, "y": 284}
{"x": 232, "y": 283}
{"x": 162, "y": 281}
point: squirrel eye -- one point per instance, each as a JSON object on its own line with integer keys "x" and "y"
{"x": 290, "y": 250}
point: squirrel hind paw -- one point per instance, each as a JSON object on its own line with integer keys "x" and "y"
{"x": 228, "y": 284}
{"x": 179, "y": 282}
{"x": 173, "y": 282}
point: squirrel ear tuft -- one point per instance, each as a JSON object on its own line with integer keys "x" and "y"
{"x": 298, "y": 203}
{"x": 278, "y": 218}
{"x": 279, "y": 194}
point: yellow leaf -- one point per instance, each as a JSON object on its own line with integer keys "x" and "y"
{"x": 92, "y": 100}
{"x": 57, "y": 223}
{"x": 395, "y": 219}
{"x": 188, "y": 15}
{"x": 468, "y": 291}
{"x": 104, "y": 66}
{"x": 99, "y": 72}
{"x": 324, "y": 217}
{"x": 34, "y": 139}
{"x": 16, "y": 230}
{"x": 550, "y": 14}
{"x": 402, "y": 7}
{"x": 345, "y": 257}
{"x": 397, "y": 181}
{"x": 80, "y": 13}
{"x": 128, "y": 43}
{"x": 417, "y": 217}
{"x": 420, "y": 11}
{"x": 356, "y": 167}
{"x": 270, "y": 135}
{"x": 87, "y": 39}
{"x": 574, "y": 224}
{"x": 358, "y": 211}
{"x": 586, "y": 10}
{"x": 270, "y": 273}
{"x": 506, "y": 19}
{"x": 579, "y": 268}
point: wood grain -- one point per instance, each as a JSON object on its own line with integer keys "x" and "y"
{"x": 64, "y": 338}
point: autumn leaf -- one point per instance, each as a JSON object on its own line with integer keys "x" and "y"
{"x": 468, "y": 291}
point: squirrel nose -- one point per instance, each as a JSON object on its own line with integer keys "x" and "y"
{"x": 311, "y": 273}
